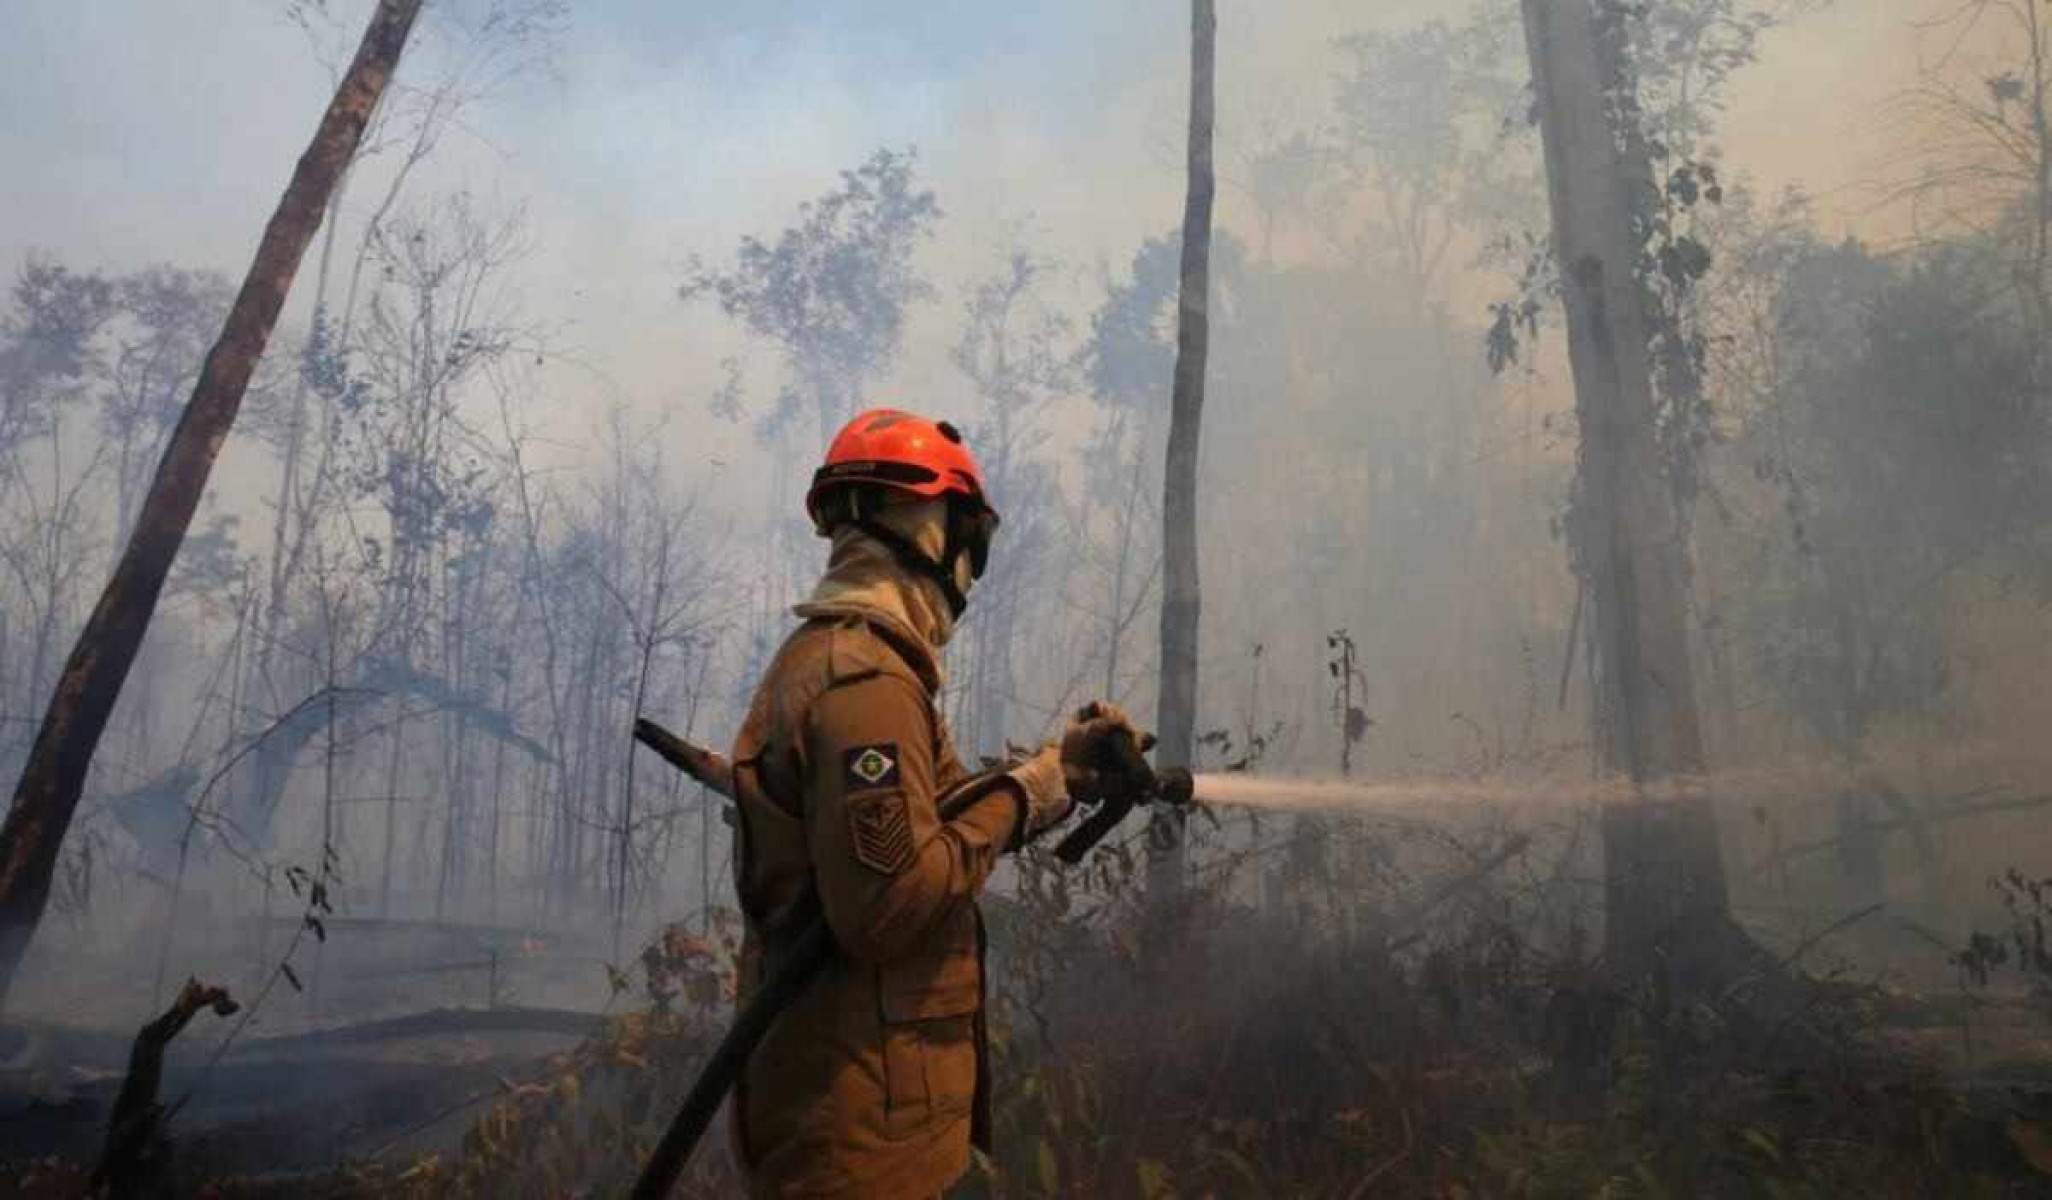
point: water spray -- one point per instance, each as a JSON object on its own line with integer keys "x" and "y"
{"x": 1285, "y": 794}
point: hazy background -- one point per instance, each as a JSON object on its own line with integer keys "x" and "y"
{"x": 660, "y": 132}
{"x": 1364, "y": 470}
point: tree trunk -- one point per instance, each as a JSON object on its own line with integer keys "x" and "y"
{"x": 56, "y": 772}
{"x": 2041, "y": 179}
{"x": 1664, "y": 874}
{"x": 135, "y": 1152}
{"x": 1177, "y": 714}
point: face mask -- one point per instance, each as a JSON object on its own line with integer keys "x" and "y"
{"x": 965, "y": 550}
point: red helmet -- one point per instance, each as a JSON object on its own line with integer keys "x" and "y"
{"x": 887, "y": 448}
{"x": 895, "y": 449}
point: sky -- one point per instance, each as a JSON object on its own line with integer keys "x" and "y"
{"x": 162, "y": 130}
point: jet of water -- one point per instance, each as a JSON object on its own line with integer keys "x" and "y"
{"x": 1238, "y": 790}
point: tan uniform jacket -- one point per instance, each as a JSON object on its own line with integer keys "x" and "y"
{"x": 874, "y": 1082}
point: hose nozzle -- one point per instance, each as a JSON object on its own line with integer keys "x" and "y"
{"x": 1143, "y": 784}
{"x": 1175, "y": 786}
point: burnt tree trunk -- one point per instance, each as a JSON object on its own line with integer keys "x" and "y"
{"x": 1664, "y": 877}
{"x": 55, "y": 776}
{"x": 1177, "y": 714}
{"x": 133, "y": 1158}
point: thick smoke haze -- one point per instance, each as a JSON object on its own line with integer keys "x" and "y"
{"x": 656, "y": 134}
{"x": 624, "y": 141}
{"x": 526, "y": 456}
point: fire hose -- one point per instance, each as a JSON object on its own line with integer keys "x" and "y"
{"x": 1133, "y": 782}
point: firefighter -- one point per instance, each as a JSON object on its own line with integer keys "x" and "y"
{"x": 876, "y": 1082}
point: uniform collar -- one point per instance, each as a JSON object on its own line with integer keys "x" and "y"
{"x": 864, "y": 581}
{"x": 916, "y": 651}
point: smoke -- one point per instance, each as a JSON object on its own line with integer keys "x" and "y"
{"x": 1380, "y": 481}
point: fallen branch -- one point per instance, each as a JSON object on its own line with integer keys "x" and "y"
{"x": 1415, "y": 919}
{"x": 438, "y": 1022}
{"x": 1964, "y": 812}
{"x": 134, "y": 1152}
{"x": 1843, "y": 923}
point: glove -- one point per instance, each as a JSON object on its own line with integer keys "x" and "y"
{"x": 1091, "y": 759}
{"x": 1043, "y": 788}
{"x": 1082, "y": 766}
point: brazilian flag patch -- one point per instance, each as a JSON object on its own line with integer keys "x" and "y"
{"x": 867, "y": 767}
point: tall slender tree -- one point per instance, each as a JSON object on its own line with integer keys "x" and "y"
{"x": 1180, "y": 602}
{"x": 1664, "y": 876}
{"x": 54, "y": 778}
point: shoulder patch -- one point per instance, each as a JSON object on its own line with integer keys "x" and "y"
{"x": 872, "y": 766}
{"x": 881, "y": 830}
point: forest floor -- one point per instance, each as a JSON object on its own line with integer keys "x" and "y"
{"x": 298, "y": 1102}
{"x": 1227, "y": 1054}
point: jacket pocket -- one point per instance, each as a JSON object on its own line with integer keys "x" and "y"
{"x": 928, "y": 1007}
{"x": 923, "y": 989}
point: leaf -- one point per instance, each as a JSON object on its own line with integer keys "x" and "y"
{"x": 320, "y": 931}
{"x": 2033, "y": 1140}
{"x": 1153, "y": 1178}
{"x": 1649, "y": 1181}
{"x": 1242, "y": 1167}
{"x": 291, "y": 976}
{"x": 1682, "y": 186}
{"x": 1045, "y": 1167}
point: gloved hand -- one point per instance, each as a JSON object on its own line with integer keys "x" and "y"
{"x": 1090, "y": 759}
{"x": 1045, "y": 791}
{"x": 1079, "y": 767}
